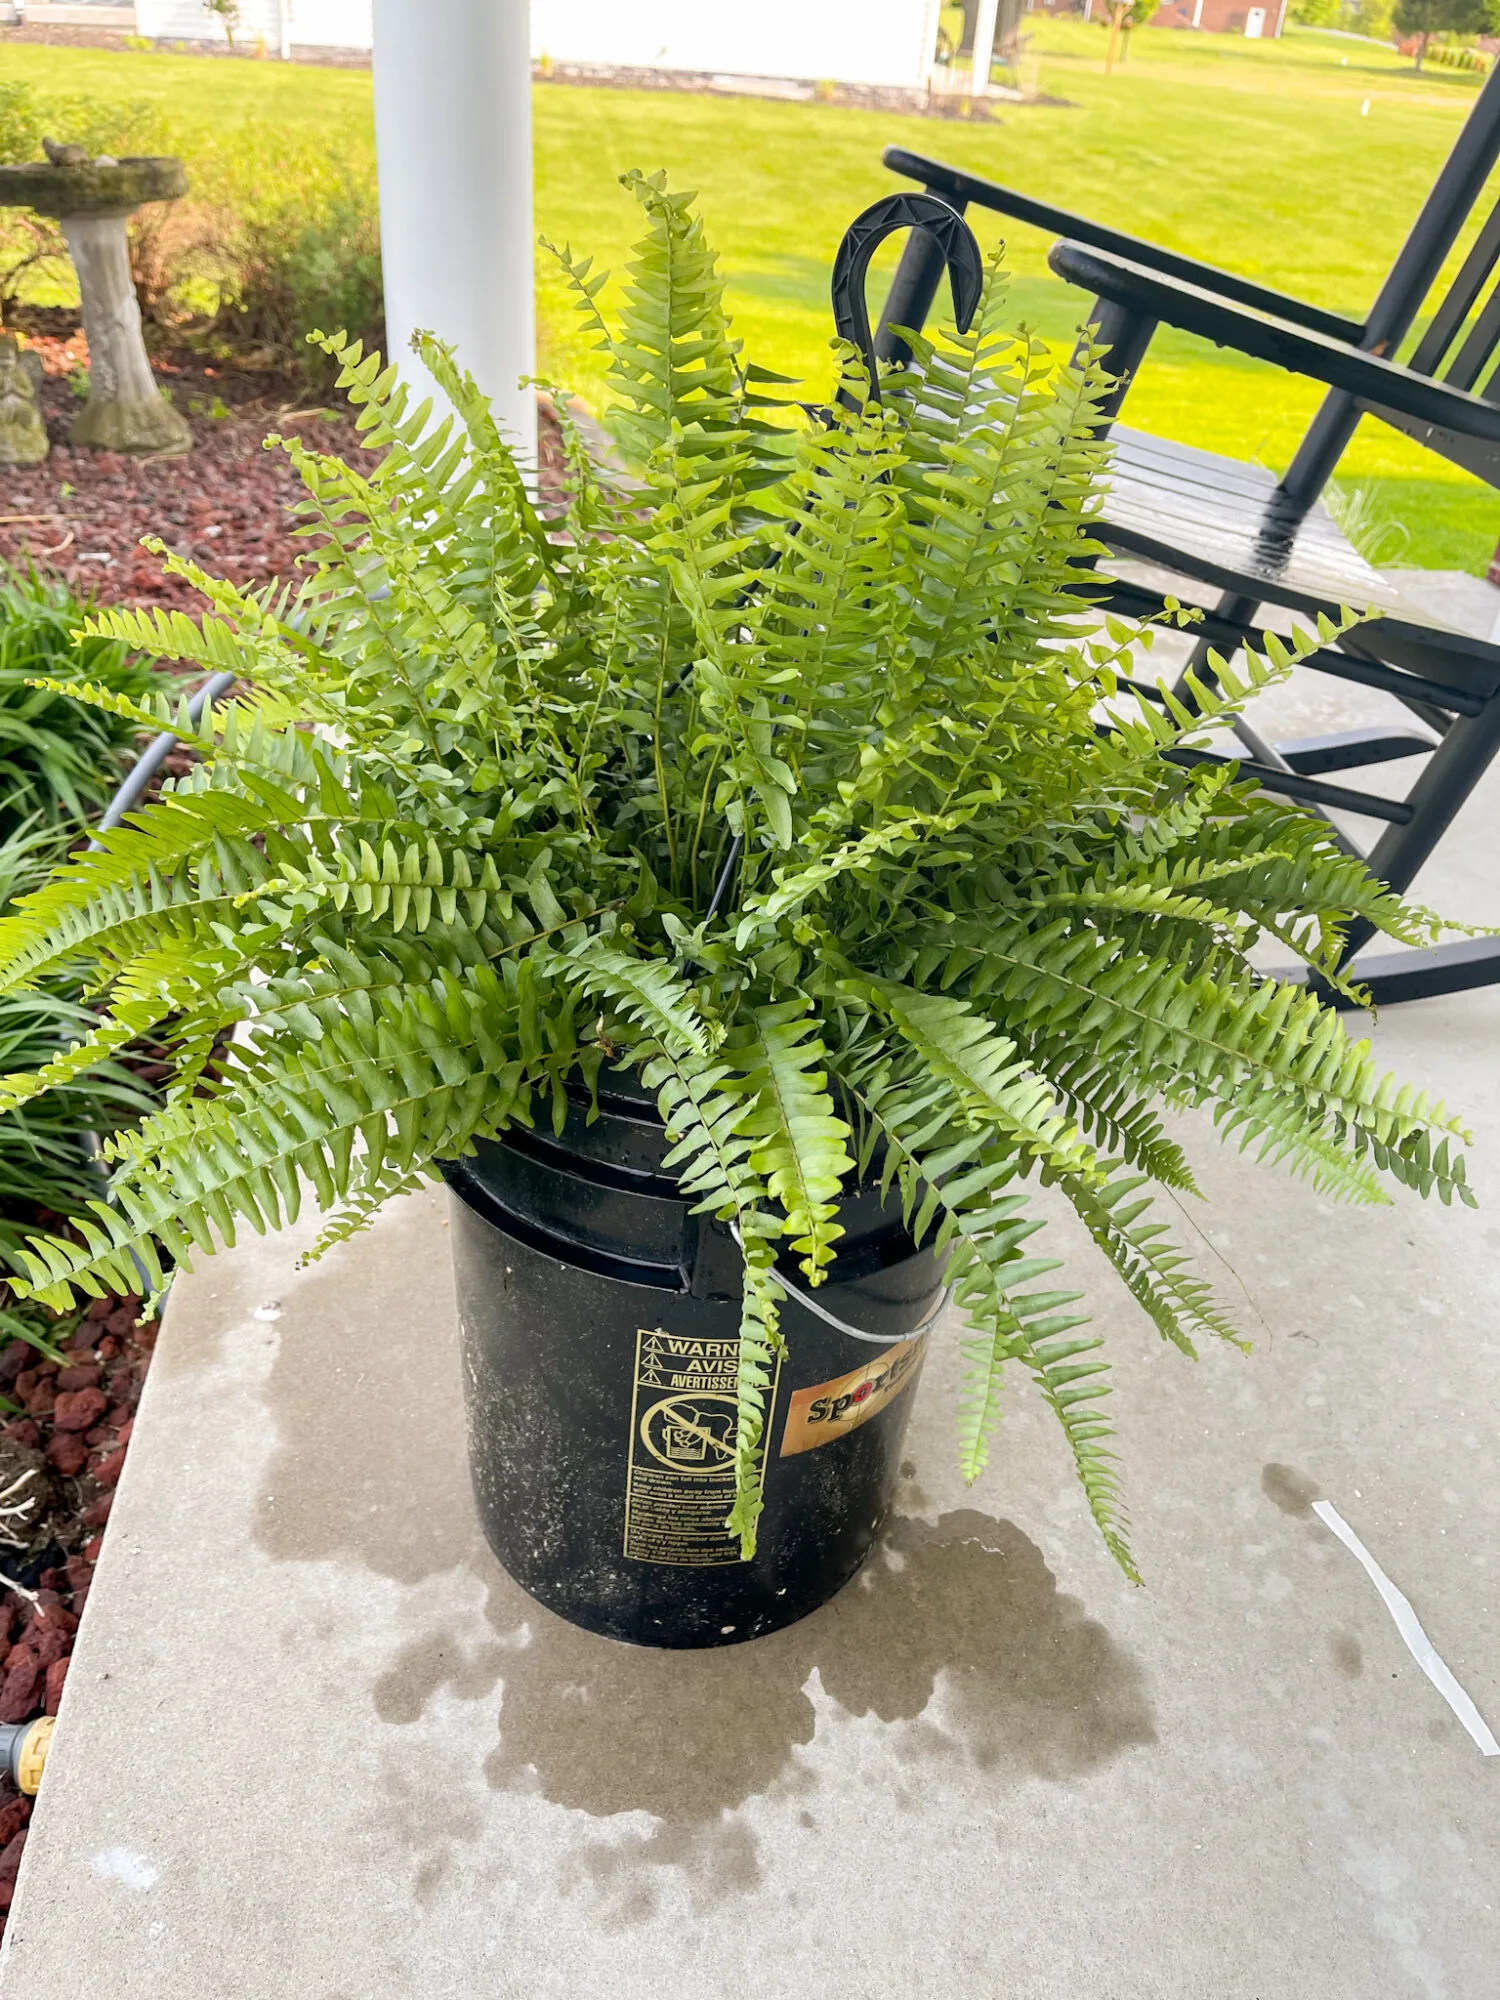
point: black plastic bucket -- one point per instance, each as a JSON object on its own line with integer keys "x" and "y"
{"x": 600, "y": 1320}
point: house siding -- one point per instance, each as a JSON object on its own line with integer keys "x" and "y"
{"x": 314, "y": 24}
{"x": 879, "y": 42}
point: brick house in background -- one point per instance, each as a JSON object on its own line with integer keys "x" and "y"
{"x": 1223, "y": 17}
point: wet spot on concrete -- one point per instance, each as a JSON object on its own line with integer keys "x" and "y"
{"x": 1348, "y": 1655}
{"x": 1292, "y": 1491}
{"x": 955, "y": 1636}
{"x": 719, "y": 1859}
{"x": 431, "y": 1825}
{"x": 434, "y": 1662}
{"x": 954, "y": 1639}
{"x": 369, "y": 1466}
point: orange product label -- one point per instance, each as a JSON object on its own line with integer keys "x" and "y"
{"x": 832, "y": 1409}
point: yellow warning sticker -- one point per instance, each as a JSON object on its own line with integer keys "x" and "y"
{"x": 832, "y": 1409}
{"x": 680, "y": 1482}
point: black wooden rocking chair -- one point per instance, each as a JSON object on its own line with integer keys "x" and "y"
{"x": 1241, "y": 539}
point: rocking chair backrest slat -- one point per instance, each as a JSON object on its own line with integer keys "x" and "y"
{"x": 1465, "y": 370}
{"x": 1455, "y": 193}
{"x": 1448, "y": 320}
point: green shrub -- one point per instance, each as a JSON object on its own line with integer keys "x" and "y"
{"x": 103, "y": 125}
{"x": 45, "y": 1153}
{"x": 59, "y": 763}
{"x": 293, "y": 272}
{"x": 1355, "y": 17}
{"x": 20, "y": 124}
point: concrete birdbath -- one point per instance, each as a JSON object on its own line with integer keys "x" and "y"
{"x": 91, "y": 201}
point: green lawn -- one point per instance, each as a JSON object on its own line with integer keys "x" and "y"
{"x": 1298, "y": 162}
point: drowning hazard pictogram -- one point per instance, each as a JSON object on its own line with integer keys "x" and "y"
{"x": 680, "y": 1483}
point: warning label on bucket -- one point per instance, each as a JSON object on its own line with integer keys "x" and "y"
{"x": 680, "y": 1484}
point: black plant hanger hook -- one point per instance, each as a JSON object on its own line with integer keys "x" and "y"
{"x": 864, "y": 236}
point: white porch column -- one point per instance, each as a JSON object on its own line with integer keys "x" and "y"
{"x": 984, "y": 44}
{"x": 453, "y": 141}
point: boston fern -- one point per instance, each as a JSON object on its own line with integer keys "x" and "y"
{"x": 791, "y": 770}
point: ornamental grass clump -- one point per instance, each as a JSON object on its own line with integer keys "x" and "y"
{"x": 792, "y": 771}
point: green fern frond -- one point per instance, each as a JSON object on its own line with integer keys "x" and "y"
{"x": 990, "y": 1081}
{"x": 798, "y": 1139}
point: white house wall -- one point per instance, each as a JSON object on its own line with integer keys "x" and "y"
{"x": 849, "y": 41}
{"x": 332, "y": 24}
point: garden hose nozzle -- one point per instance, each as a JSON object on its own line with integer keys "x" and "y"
{"x": 23, "y": 1750}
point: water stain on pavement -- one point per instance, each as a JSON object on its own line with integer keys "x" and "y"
{"x": 1348, "y": 1655}
{"x": 1292, "y": 1491}
{"x": 955, "y": 1636}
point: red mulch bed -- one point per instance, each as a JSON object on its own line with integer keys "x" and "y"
{"x": 81, "y": 514}
{"x": 72, "y": 1424}
{"x": 224, "y": 505}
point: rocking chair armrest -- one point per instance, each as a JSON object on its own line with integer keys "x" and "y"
{"x": 961, "y": 188}
{"x": 1378, "y": 384}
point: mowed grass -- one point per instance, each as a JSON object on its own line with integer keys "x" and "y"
{"x": 1300, "y": 163}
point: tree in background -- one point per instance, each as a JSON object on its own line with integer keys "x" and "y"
{"x": 228, "y": 12}
{"x": 1125, "y": 15}
{"x": 1426, "y": 18}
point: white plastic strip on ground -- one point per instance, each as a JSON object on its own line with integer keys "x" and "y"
{"x": 1409, "y": 1626}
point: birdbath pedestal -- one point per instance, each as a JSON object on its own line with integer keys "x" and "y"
{"x": 91, "y": 201}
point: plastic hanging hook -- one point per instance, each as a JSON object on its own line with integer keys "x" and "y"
{"x": 864, "y": 236}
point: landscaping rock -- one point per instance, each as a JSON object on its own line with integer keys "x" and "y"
{"x": 19, "y": 1684}
{"x": 79, "y": 1409}
{"x": 84, "y": 1375}
{"x": 108, "y": 1471}
{"x": 23, "y": 434}
{"x": 10, "y": 1862}
{"x": 57, "y": 1673}
{"x": 68, "y": 1455}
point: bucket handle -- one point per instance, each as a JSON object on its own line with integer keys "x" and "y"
{"x": 806, "y": 1299}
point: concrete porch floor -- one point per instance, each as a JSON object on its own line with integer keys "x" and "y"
{"x": 315, "y": 1742}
